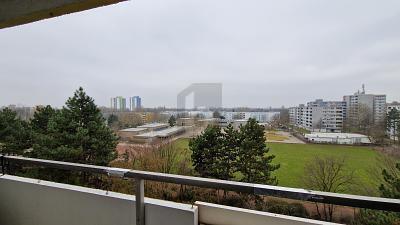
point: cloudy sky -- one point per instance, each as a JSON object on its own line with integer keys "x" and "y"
{"x": 265, "y": 53}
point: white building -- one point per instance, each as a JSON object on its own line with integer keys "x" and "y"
{"x": 261, "y": 117}
{"x": 375, "y": 104}
{"x": 118, "y": 103}
{"x": 338, "y": 138}
{"x": 319, "y": 115}
{"x": 135, "y": 103}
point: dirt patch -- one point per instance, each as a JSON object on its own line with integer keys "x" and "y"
{"x": 282, "y": 137}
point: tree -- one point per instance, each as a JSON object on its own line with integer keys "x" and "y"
{"x": 76, "y": 133}
{"x": 41, "y": 118}
{"x": 129, "y": 119}
{"x": 216, "y": 114}
{"x": 253, "y": 161}
{"x": 14, "y": 133}
{"x": 172, "y": 121}
{"x": 112, "y": 119}
{"x": 220, "y": 155}
{"x": 229, "y": 152}
{"x": 206, "y": 150}
{"x": 360, "y": 119}
{"x": 378, "y": 133}
{"x": 392, "y": 123}
{"x": 330, "y": 175}
{"x": 390, "y": 188}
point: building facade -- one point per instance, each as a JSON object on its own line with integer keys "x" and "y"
{"x": 319, "y": 115}
{"x": 371, "y": 105}
{"x": 118, "y": 103}
{"x": 135, "y": 103}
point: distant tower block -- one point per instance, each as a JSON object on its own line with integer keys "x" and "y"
{"x": 207, "y": 95}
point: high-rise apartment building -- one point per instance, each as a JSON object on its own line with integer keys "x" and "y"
{"x": 320, "y": 115}
{"x": 296, "y": 115}
{"x": 118, "y": 103}
{"x": 362, "y": 104}
{"x": 332, "y": 115}
{"x": 135, "y": 102}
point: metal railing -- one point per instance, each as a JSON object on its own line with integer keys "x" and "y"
{"x": 257, "y": 189}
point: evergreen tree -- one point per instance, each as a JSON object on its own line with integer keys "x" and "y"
{"x": 389, "y": 189}
{"x": 205, "y": 152}
{"x": 393, "y": 122}
{"x": 219, "y": 154}
{"x": 41, "y": 117}
{"x": 172, "y": 121}
{"x": 253, "y": 161}
{"x": 14, "y": 133}
{"x": 112, "y": 119}
{"x": 216, "y": 114}
{"x": 76, "y": 133}
{"x": 229, "y": 152}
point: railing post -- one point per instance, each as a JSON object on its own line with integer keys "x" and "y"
{"x": 2, "y": 164}
{"x": 139, "y": 201}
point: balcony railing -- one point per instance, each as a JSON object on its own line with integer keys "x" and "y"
{"x": 257, "y": 189}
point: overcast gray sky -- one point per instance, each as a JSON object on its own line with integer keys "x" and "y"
{"x": 265, "y": 53}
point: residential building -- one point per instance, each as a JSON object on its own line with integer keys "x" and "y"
{"x": 296, "y": 115}
{"x": 259, "y": 116}
{"x": 135, "y": 103}
{"x": 319, "y": 115}
{"x": 371, "y": 105}
{"x": 118, "y": 103}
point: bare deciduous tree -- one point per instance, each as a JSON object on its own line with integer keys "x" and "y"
{"x": 327, "y": 174}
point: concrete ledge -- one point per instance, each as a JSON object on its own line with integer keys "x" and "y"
{"x": 226, "y": 215}
{"x": 25, "y": 201}
{"x": 17, "y": 12}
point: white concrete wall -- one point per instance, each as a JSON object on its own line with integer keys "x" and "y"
{"x": 225, "y": 215}
{"x": 26, "y": 201}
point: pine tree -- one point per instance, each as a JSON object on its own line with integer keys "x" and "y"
{"x": 76, "y": 133}
{"x": 14, "y": 133}
{"x": 253, "y": 161}
{"x": 393, "y": 122}
{"x": 229, "y": 152}
{"x": 391, "y": 187}
{"x": 172, "y": 121}
{"x": 41, "y": 117}
{"x": 205, "y": 152}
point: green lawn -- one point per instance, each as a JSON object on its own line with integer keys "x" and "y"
{"x": 293, "y": 157}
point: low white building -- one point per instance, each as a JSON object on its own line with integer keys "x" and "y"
{"x": 338, "y": 138}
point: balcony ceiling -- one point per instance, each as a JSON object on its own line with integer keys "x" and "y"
{"x": 18, "y": 12}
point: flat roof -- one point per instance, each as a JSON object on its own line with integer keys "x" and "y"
{"x": 153, "y": 125}
{"x": 133, "y": 129}
{"x": 161, "y": 133}
{"x": 336, "y": 135}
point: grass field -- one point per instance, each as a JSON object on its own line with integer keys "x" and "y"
{"x": 293, "y": 157}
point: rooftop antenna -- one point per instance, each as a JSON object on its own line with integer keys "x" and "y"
{"x": 363, "y": 88}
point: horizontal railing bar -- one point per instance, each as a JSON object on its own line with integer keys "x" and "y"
{"x": 258, "y": 189}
